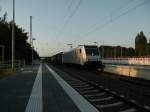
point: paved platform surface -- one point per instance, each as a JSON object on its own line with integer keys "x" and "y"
{"x": 39, "y": 89}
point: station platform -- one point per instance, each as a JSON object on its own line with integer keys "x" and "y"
{"x": 53, "y": 94}
{"x": 60, "y": 96}
{"x": 55, "y": 99}
{"x": 40, "y": 89}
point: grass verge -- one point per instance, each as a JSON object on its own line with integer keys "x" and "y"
{"x": 6, "y": 72}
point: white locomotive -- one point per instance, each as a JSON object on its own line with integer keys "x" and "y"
{"x": 86, "y": 55}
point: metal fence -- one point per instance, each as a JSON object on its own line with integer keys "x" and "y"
{"x": 128, "y": 61}
{"x": 8, "y": 64}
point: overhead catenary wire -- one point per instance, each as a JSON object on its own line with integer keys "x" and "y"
{"x": 69, "y": 18}
{"x": 114, "y": 19}
{"x": 70, "y": 4}
{"x": 110, "y": 15}
{"x": 124, "y": 5}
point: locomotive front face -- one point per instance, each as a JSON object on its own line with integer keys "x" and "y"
{"x": 92, "y": 53}
{"x": 92, "y": 57}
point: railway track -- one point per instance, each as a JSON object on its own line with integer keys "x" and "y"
{"x": 102, "y": 98}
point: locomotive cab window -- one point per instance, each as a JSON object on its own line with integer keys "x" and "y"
{"x": 80, "y": 51}
{"x": 91, "y": 50}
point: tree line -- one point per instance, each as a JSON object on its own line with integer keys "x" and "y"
{"x": 116, "y": 51}
{"x": 142, "y": 48}
{"x": 23, "y": 49}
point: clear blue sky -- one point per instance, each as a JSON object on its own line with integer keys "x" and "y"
{"x": 59, "y": 22}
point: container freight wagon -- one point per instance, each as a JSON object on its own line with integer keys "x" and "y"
{"x": 57, "y": 58}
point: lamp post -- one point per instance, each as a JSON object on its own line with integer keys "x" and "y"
{"x": 32, "y": 50}
{"x": 31, "y": 40}
{"x": 13, "y": 37}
